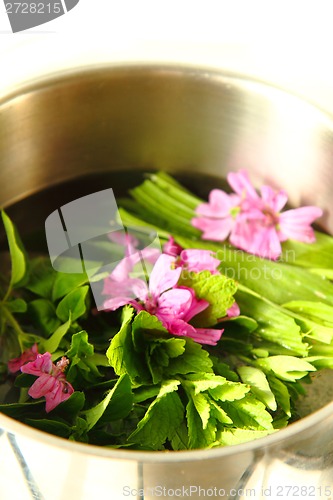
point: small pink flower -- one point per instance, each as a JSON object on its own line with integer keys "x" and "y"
{"x": 51, "y": 382}
{"x": 30, "y": 354}
{"x": 217, "y": 217}
{"x": 192, "y": 259}
{"x": 173, "y": 306}
{"x": 252, "y": 221}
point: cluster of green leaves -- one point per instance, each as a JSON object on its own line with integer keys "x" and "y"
{"x": 187, "y": 403}
{"x": 286, "y": 328}
{"x": 53, "y": 310}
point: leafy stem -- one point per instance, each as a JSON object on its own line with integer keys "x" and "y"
{"x": 13, "y": 323}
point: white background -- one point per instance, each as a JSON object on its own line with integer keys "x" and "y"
{"x": 289, "y": 43}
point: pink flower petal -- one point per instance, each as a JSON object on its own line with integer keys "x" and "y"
{"x": 30, "y": 354}
{"x": 175, "y": 302}
{"x": 214, "y": 229}
{"x": 42, "y": 364}
{"x": 219, "y": 205}
{"x": 115, "y": 303}
{"x": 199, "y": 260}
{"x": 196, "y": 306}
{"x": 233, "y": 311}
{"x": 207, "y": 336}
{"x": 42, "y": 385}
{"x": 241, "y": 184}
{"x": 275, "y": 200}
{"x": 172, "y": 248}
{"x": 61, "y": 391}
{"x": 295, "y": 224}
{"x": 163, "y": 276}
{"x": 179, "y": 327}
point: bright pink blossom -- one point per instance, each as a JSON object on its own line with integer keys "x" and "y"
{"x": 51, "y": 382}
{"x": 252, "y": 221}
{"x": 173, "y": 306}
{"x": 192, "y": 260}
{"x": 30, "y": 354}
{"x": 217, "y": 217}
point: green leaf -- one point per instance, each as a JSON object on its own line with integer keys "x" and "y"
{"x": 162, "y": 419}
{"x": 43, "y": 314}
{"x": 195, "y": 359}
{"x": 145, "y": 323}
{"x": 74, "y": 303}
{"x": 17, "y": 306}
{"x": 248, "y": 413}
{"x": 317, "y": 311}
{"x": 276, "y": 281}
{"x": 64, "y": 283}
{"x": 199, "y": 437}
{"x": 52, "y": 344}
{"x": 218, "y": 387}
{"x": 17, "y": 252}
{"x": 258, "y": 382}
{"x": 287, "y": 368}
{"x": 51, "y": 426}
{"x": 230, "y": 437}
{"x": 317, "y": 255}
{"x": 273, "y": 324}
{"x": 281, "y": 393}
{"x": 80, "y": 347}
{"x": 116, "y": 404}
{"x": 41, "y": 277}
{"x": 217, "y": 289}
{"x": 70, "y": 408}
{"x": 121, "y": 353}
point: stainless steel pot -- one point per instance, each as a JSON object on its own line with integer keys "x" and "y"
{"x": 182, "y": 120}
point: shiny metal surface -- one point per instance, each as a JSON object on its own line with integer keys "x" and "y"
{"x": 181, "y": 120}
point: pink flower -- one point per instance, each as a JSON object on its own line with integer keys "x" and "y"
{"x": 51, "y": 382}
{"x": 30, "y": 354}
{"x": 254, "y": 222}
{"x": 192, "y": 259}
{"x": 217, "y": 217}
{"x": 173, "y": 306}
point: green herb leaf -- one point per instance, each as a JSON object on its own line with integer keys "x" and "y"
{"x": 116, "y": 404}
{"x": 281, "y": 393}
{"x": 43, "y": 314}
{"x": 17, "y": 306}
{"x": 273, "y": 324}
{"x": 258, "y": 382}
{"x": 17, "y": 252}
{"x": 217, "y": 289}
{"x": 65, "y": 283}
{"x": 199, "y": 437}
{"x": 162, "y": 419}
{"x": 73, "y": 303}
{"x": 230, "y": 437}
{"x": 51, "y": 426}
{"x": 52, "y": 344}
{"x": 248, "y": 413}
{"x": 41, "y": 277}
{"x": 286, "y": 368}
{"x": 121, "y": 353}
